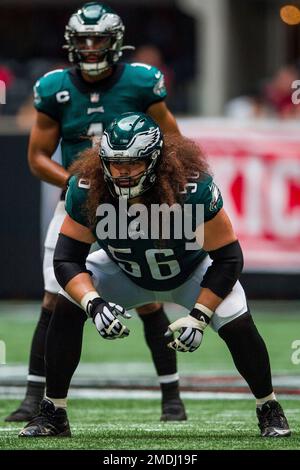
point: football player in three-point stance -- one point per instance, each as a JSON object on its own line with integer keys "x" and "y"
{"x": 73, "y": 106}
{"x": 137, "y": 266}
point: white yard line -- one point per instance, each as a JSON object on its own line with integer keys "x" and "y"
{"x": 115, "y": 394}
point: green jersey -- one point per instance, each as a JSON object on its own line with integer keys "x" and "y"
{"x": 151, "y": 263}
{"x": 83, "y": 110}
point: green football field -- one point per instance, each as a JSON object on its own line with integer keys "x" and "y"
{"x": 134, "y": 424}
{"x": 120, "y": 422}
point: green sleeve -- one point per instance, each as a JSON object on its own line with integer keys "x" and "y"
{"x": 44, "y": 91}
{"x": 155, "y": 89}
{"x": 151, "y": 83}
{"x": 206, "y": 192}
{"x": 212, "y": 199}
{"x": 76, "y": 197}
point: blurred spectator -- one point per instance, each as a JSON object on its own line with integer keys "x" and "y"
{"x": 248, "y": 106}
{"x": 151, "y": 55}
{"x": 274, "y": 99}
{"x": 26, "y": 114}
{"x": 6, "y": 76}
{"x": 278, "y": 92}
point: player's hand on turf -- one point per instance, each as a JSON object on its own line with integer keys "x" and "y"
{"x": 104, "y": 315}
{"x": 191, "y": 330}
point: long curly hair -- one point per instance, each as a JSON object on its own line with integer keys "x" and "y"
{"x": 182, "y": 161}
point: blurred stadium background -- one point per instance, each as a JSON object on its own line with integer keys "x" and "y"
{"x": 229, "y": 67}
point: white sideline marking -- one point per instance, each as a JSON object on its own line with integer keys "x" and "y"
{"x": 107, "y": 394}
{"x": 143, "y": 371}
{"x": 115, "y": 394}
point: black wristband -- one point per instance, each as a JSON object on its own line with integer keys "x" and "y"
{"x": 199, "y": 315}
{"x": 92, "y": 305}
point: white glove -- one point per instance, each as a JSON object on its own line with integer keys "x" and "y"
{"x": 191, "y": 329}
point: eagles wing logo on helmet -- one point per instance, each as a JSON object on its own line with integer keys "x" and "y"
{"x": 144, "y": 141}
{"x": 139, "y": 145}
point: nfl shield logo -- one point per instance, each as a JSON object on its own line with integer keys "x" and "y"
{"x": 95, "y": 97}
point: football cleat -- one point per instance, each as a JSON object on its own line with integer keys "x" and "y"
{"x": 173, "y": 410}
{"x": 29, "y": 408}
{"x": 50, "y": 422}
{"x": 272, "y": 421}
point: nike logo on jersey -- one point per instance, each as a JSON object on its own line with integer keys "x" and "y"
{"x": 100, "y": 109}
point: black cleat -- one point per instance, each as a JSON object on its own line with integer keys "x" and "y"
{"x": 29, "y": 408}
{"x": 173, "y": 410}
{"x": 49, "y": 422}
{"x": 272, "y": 421}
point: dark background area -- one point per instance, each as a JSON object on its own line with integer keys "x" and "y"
{"x": 20, "y": 273}
{"x": 34, "y": 44}
{"x": 31, "y": 39}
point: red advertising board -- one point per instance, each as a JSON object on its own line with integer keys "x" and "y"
{"x": 257, "y": 167}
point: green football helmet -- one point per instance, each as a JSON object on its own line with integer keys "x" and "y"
{"x": 94, "y": 38}
{"x": 130, "y": 138}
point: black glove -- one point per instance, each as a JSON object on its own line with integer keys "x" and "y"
{"x": 104, "y": 315}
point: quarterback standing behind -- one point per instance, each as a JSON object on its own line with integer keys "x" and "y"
{"x": 135, "y": 267}
{"x": 74, "y": 106}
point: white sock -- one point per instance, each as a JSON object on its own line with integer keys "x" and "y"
{"x": 261, "y": 401}
{"x": 58, "y": 402}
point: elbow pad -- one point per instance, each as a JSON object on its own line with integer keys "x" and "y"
{"x": 69, "y": 259}
{"x": 225, "y": 269}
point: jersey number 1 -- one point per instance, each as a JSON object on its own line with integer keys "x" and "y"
{"x": 95, "y": 131}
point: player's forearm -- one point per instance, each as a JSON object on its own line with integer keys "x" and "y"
{"x": 209, "y": 299}
{"x": 69, "y": 267}
{"x": 163, "y": 116}
{"x": 49, "y": 171}
{"x": 169, "y": 124}
{"x": 79, "y": 286}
